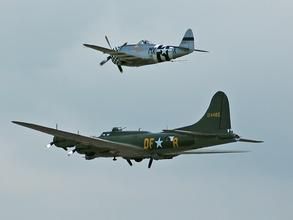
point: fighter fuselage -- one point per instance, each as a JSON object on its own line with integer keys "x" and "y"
{"x": 150, "y": 53}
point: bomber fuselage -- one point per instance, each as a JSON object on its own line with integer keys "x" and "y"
{"x": 153, "y": 143}
{"x": 163, "y": 140}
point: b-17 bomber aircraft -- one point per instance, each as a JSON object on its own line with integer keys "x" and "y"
{"x": 214, "y": 128}
{"x": 145, "y": 52}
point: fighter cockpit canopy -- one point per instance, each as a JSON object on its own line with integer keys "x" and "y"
{"x": 142, "y": 42}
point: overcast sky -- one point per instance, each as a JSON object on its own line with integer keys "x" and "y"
{"x": 48, "y": 77}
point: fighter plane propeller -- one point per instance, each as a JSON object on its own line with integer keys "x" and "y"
{"x": 214, "y": 128}
{"x": 145, "y": 52}
{"x": 111, "y": 56}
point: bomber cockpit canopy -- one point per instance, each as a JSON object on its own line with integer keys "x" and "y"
{"x": 105, "y": 134}
{"x": 115, "y": 129}
{"x": 119, "y": 131}
{"x": 109, "y": 133}
{"x": 142, "y": 42}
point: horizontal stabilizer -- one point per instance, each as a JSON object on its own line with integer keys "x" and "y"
{"x": 194, "y": 133}
{"x": 249, "y": 140}
{"x": 215, "y": 152}
{"x": 190, "y": 152}
{"x": 204, "y": 51}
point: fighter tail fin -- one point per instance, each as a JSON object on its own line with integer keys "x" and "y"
{"x": 188, "y": 40}
{"x": 216, "y": 119}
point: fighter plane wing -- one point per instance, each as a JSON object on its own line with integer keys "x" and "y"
{"x": 123, "y": 57}
{"x": 124, "y": 150}
{"x": 104, "y": 50}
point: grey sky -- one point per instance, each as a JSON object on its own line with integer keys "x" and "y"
{"x": 47, "y": 76}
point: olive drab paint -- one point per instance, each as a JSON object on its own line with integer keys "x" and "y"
{"x": 214, "y": 128}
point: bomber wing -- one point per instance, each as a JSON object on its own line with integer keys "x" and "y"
{"x": 124, "y": 150}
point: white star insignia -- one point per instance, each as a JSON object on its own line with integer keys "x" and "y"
{"x": 164, "y": 51}
{"x": 159, "y": 143}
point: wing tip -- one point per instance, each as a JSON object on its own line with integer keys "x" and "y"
{"x": 25, "y": 124}
{"x": 16, "y": 122}
{"x": 86, "y": 45}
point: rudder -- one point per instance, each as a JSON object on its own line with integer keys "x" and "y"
{"x": 188, "y": 40}
{"x": 216, "y": 119}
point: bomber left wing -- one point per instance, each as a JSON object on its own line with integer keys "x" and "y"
{"x": 124, "y": 150}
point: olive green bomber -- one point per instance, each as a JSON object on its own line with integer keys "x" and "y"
{"x": 214, "y": 128}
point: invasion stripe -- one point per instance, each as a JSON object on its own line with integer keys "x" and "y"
{"x": 188, "y": 39}
{"x": 159, "y": 57}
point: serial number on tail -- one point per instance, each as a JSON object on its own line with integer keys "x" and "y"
{"x": 213, "y": 114}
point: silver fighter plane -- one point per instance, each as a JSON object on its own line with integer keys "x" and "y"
{"x": 145, "y": 52}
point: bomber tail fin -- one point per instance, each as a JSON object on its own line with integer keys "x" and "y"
{"x": 188, "y": 40}
{"x": 216, "y": 119}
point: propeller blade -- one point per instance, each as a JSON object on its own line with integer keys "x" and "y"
{"x": 69, "y": 153}
{"x": 129, "y": 162}
{"x": 124, "y": 44}
{"x": 150, "y": 162}
{"x": 50, "y": 145}
{"x": 105, "y": 61}
{"x": 120, "y": 68}
{"x": 108, "y": 41}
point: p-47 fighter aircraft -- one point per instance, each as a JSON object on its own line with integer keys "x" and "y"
{"x": 145, "y": 52}
{"x": 214, "y": 128}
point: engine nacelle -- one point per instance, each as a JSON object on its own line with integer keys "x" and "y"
{"x": 90, "y": 156}
{"x": 63, "y": 143}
